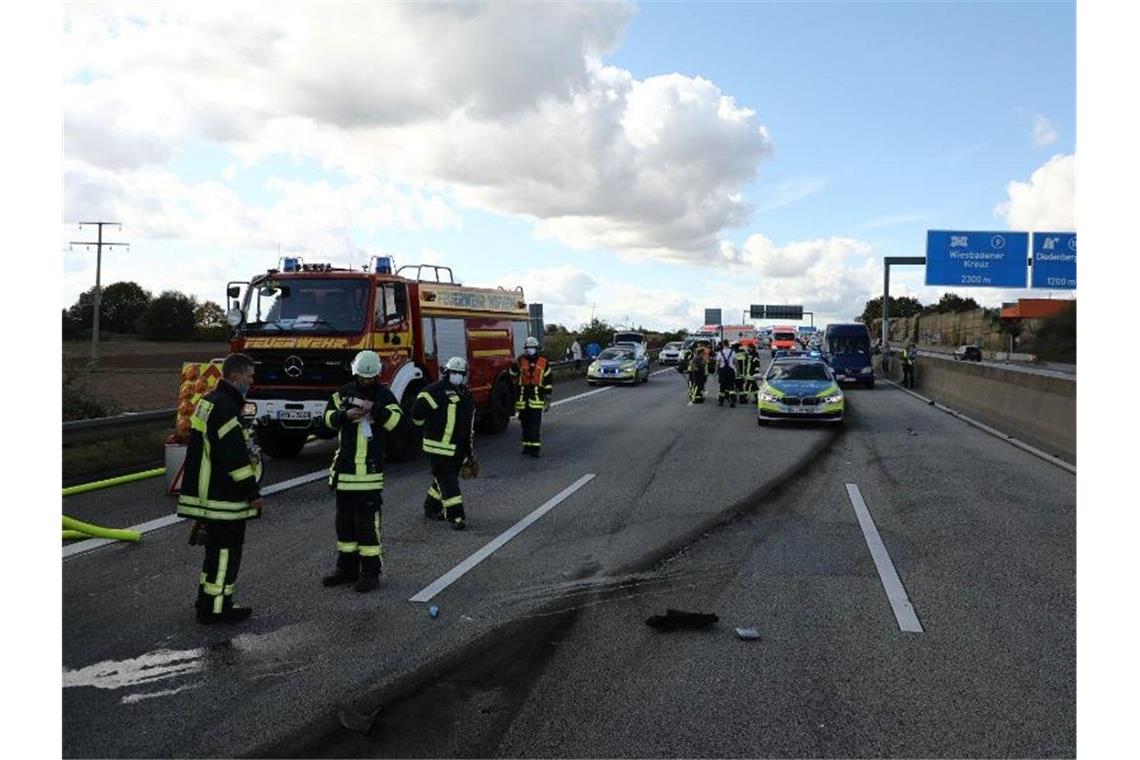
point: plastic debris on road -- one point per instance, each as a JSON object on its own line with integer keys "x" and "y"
{"x": 359, "y": 722}
{"x": 748, "y": 634}
{"x": 674, "y": 620}
{"x": 433, "y": 610}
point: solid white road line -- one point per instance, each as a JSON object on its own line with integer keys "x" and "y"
{"x": 896, "y": 594}
{"x": 987, "y": 429}
{"x": 150, "y": 526}
{"x": 461, "y": 569}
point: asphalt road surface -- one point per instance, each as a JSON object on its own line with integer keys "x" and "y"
{"x": 542, "y": 650}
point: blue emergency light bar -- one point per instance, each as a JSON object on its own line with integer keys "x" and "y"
{"x": 290, "y": 264}
{"x": 382, "y": 264}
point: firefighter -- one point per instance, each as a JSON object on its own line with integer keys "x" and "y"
{"x": 752, "y": 367}
{"x": 531, "y": 377}
{"x": 740, "y": 366}
{"x": 909, "y": 355}
{"x": 698, "y": 374}
{"x": 364, "y": 413}
{"x": 219, "y": 489}
{"x": 726, "y": 374}
{"x": 446, "y": 412}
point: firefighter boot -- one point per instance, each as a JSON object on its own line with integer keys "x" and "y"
{"x": 347, "y": 570}
{"x": 370, "y": 569}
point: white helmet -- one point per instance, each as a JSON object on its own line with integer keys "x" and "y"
{"x": 366, "y": 364}
{"x": 456, "y": 364}
{"x": 531, "y": 342}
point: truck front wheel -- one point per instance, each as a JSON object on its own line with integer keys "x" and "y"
{"x": 499, "y": 415}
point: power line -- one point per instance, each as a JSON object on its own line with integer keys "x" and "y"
{"x": 99, "y": 244}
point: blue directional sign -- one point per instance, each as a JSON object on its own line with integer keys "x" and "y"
{"x": 977, "y": 259}
{"x": 1054, "y": 260}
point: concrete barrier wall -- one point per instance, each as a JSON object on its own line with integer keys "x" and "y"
{"x": 1040, "y": 410}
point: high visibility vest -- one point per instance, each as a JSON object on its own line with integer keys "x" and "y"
{"x": 532, "y": 374}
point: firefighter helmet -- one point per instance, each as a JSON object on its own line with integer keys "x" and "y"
{"x": 456, "y": 364}
{"x": 531, "y": 342}
{"x": 366, "y": 364}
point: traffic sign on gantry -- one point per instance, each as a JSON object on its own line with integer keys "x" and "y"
{"x": 780, "y": 311}
{"x": 977, "y": 259}
{"x": 712, "y": 317}
{"x": 1054, "y": 260}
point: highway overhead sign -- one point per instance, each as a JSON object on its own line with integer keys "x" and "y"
{"x": 712, "y": 316}
{"x": 977, "y": 259}
{"x": 777, "y": 311}
{"x": 756, "y": 311}
{"x": 1054, "y": 260}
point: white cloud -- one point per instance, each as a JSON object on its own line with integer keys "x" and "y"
{"x": 505, "y": 105}
{"x": 1044, "y": 131}
{"x": 1047, "y": 201}
{"x": 563, "y": 286}
{"x": 314, "y": 217}
{"x": 892, "y": 220}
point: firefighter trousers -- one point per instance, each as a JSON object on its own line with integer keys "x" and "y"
{"x": 358, "y": 547}
{"x": 727, "y": 379}
{"x": 224, "y": 540}
{"x": 443, "y": 497}
{"x": 908, "y": 375}
{"x": 531, "y": 420}
{"x": 697, "y": 387}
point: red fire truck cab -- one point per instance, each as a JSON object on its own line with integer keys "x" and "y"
{"x": 303, "y": 323}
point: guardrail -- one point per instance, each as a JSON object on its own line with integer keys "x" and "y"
{"x": 99, "y": 428}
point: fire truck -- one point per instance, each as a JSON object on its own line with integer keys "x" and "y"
{"x": 303, "y": 323}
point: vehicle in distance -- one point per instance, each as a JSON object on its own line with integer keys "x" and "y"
{"x": 799, "y": 389}
{"x": 968, "y": 353}
{"x": 619, "y": 364}
{"x": 671, "y": 352}
{"x": 847, "y": 350}
{"x": 783, "y": 336}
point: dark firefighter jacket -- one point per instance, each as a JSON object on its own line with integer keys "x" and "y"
{"x": 358, "y": 464}
{"x": 218, "y": 480}
{"x": 447, "y": 414}
{"x": 531, "y": 375}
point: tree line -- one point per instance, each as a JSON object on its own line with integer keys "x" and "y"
{"x": 905, "y": 306}
{"x": 127, "y": 308}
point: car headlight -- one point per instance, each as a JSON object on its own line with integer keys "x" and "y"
{"x": 834, "y": 398}
{"x": 594, "y": 367}
{"x": 866, "y": 370}
{"x": 627, "y": 367}
{"x": 765, "y": 396}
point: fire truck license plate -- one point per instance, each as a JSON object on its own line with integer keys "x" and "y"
{"x": 294, "y": 414}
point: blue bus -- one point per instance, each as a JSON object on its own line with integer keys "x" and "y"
{"x": 847, "y": 350}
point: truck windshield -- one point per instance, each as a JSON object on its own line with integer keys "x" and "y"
{"x": 784, "y": 336}
{"x": 307, "y": 305}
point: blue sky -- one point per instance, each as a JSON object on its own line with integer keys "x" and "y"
{"x": 639, "y": 162}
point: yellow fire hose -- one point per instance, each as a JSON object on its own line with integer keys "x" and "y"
{"x": 95, "y": 531}
{"x": 71, "y": 535}
{"x": 84, "y": 487}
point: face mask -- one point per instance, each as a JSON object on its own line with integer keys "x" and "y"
{"x": 531, "y": 351}
{"x": 243, "y": 388}
{"x": 456, "y": 378}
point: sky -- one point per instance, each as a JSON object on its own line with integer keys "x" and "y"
{"x": 634, "y": 162}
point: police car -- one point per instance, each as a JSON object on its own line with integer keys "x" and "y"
{"x": 798, "y": 389}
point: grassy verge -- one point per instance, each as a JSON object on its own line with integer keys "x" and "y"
{"x": 96, "y": 460}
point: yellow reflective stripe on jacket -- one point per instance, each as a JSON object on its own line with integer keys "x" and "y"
{"x": 360, "y": 459}
{"x": 373, "y": 485}
{"x": 367, "y": 477}
{"x": 334, "y": 410}
{"x": 217, "y": 504}
{"x": 427, "y": 397}
{"x": 393, "y": 418}
{"x": 227, "y": 427}
{"x": 242, "y": 473}
{"x": 436, "y": 447}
